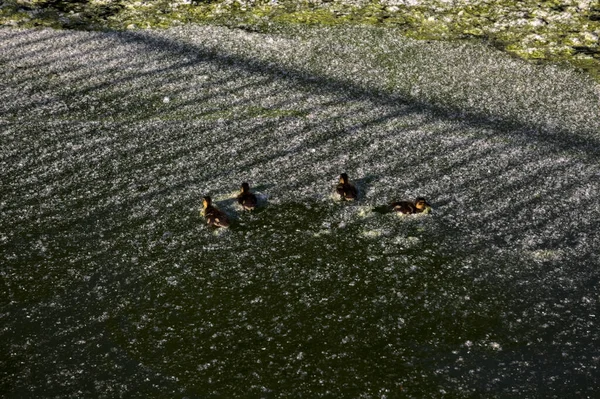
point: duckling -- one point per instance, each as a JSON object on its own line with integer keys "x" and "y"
{"x": 214, "y": 217}
{"x": 346, "y": 190}
{"x": 406, "y": 207}
{"x": 246, "y": 199}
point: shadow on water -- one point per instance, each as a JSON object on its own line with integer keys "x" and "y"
{"x": 304, "y": 297}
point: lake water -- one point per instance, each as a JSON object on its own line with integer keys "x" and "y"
{"x": 113, "y": 286}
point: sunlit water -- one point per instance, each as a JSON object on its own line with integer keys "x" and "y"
{"x": 113, "y": 286}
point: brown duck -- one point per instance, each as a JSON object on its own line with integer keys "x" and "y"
{"x": 214, "y": 217}
{"x": 246, "y": 199}
{"x": 408, "y": 208}
{"x": 345, "y": 190}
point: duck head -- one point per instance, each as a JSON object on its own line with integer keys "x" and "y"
{"x": 344, "y": 178}
{"x": 421, "y": 204}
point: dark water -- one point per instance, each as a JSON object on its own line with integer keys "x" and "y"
{"x": 295, "y": 300}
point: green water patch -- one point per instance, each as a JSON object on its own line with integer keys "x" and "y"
{"x": 291, "y": 293}
{"x": 307, "y": 298}
{"x": 548, "y": 30}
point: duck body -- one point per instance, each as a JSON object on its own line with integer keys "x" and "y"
{"x": 345, "y": 190}
{"x": 405, "y": 207}
{"x": 246, "y": 199}
{"x": 213, "y": 216}
{"x": 408, "y": 208}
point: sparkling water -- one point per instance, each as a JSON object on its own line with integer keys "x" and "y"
{"x": 113, "y": 285}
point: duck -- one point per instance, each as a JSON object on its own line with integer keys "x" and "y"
{"x": 345, "y": 190}
{"x": 214, "y": 217}
{"x": 408, "y": 208}
{"x": 246, "y": 199}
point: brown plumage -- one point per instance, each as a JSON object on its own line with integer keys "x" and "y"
{"x": 346, "y": 190}
{"x": 246, "y": 199}
{"x": 408, "y": 208}
{"x": 214, "y": 217}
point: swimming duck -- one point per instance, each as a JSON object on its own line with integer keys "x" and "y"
{"x": 247, "y": 199}
{"x": 345, "y": 190}
{"x": 214, "y": 217}
{"x": 408, "y": 208}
